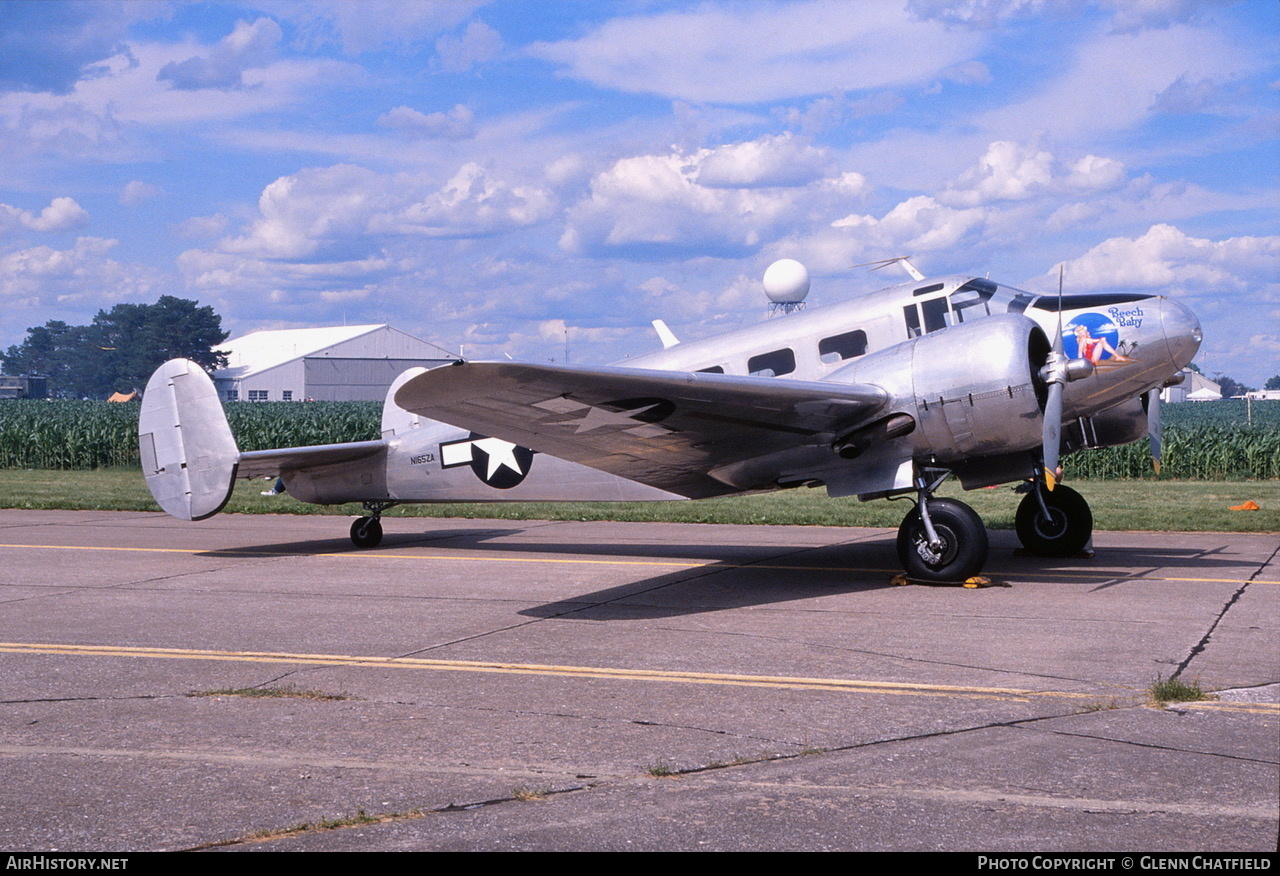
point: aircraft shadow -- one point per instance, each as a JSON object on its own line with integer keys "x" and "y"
{"x": 741, "y": 576}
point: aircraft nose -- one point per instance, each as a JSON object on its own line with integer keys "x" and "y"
{"x": 1182, "y": 332}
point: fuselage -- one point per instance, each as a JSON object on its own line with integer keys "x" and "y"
{"x": 1158, "y": 335}
{"x": 951, "y": 353}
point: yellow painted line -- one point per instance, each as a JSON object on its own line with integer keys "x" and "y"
{"x": 1252, "y": 708}
{"x": 488, "y": 558}
{"x": 653, "y": 675}
{"x": 365, "y": 555}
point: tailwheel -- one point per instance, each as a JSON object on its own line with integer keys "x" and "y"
{"x": 1054, "y": 523}
{"x": 366, "y": 532}
{"x": 959, "y": 551}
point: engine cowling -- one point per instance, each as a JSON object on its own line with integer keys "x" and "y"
{"x": 973, "y": 390}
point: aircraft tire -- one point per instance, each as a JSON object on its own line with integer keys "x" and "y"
{"x": 366, "y": 532}
{"x": 964, "y": 538}
{"x": 1064, "y": 533}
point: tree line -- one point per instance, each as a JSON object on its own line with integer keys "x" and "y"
{"x": 119, "y": 349}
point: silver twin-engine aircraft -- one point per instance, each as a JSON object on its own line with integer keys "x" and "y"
{"x": 884, "y": 395}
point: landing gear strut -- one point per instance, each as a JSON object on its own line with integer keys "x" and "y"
{"x": 366, "y": 532}
{"x": 1053, "y": 523}
{"x": 941, "y": 539}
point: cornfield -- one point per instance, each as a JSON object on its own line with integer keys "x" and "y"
{"x": 1202, "y": 441}
{"x": 95, "y": 434}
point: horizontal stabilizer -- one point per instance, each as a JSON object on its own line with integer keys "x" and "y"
{"x": 268, "y": 463}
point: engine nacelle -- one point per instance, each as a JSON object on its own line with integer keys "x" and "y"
{"x": 972, "y": 389}
{"x": 1122, "y": 424}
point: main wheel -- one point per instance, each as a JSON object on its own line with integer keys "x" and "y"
{"x": 1064, "y": 532}
{"x": 963, "y": 552}
{"x": 366, "y": 532}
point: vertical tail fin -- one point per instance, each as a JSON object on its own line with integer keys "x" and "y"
{"x": 188, "y": 455}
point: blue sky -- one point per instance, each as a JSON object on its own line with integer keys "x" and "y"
{"x": 494, "y": 176}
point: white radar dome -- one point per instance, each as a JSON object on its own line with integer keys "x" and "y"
{"x": 786, "y": 281}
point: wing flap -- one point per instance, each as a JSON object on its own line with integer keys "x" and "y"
{"x": 664, "y": 428}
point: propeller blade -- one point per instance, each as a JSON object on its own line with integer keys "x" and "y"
{"x": 1056, "y": 377}
{"x": 1052, "y": 439}
{"x": 1154, "y": 434}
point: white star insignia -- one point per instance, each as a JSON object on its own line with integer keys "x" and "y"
{"x": 501, "y": 454}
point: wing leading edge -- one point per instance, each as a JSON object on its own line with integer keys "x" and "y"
{"x": 668, "y": 429}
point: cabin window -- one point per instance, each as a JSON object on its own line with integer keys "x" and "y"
{"x": 913, "y": 321}
{"x": 774, "y": 364}
{"x": 841, "y": 347}
{"x": 714, "y": 369}
{"x": 925, "y": 290}
{"x": 936, "y": 314}
{"x": 972, "y": 297}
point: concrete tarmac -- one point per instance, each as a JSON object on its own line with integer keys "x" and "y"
{"x": 485, "y": 684}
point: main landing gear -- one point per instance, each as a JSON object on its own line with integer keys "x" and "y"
{"x": 366, "y": 532}
{"x": 1053, "y": 523}
{"x": 941, "y": 539}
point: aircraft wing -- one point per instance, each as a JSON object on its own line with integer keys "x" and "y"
{"x": 668, "y": 429}
{"x": 266, "y": 463}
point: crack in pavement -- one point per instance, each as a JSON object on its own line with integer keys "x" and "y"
{"x": 1200, "y": 646}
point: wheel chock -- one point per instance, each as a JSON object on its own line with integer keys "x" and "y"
{"x": 972, "y": 583}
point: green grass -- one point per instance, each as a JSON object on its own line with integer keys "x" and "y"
{"x": 1175, "y": 690}
{"x": 1192, "y": 506}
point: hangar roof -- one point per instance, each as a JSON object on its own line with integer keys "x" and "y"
{"x": 262, "y": 350}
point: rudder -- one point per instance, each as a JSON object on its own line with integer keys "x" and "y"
{"x": 189, "y": 456}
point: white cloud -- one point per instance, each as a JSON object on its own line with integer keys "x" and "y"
{"x": 968, "y": 73}
{"x": 373, "y": 24}
{"x": 457, "y": 124}
{"x": 919, "y": 224}
{"x": 1165, "y": 258}
{"x": 1127, "y": 15}
{"x": 474, "y": 202}
{"x": 62, "y": 214}
{"x": 1186, "y": 95}
{"x": 137, "y": 192}
{"x": 248, "y": 45}
{"x": 655, "y": 202}
{"x": 204, "y": 226}
{"x": 782, "y": 160}
{"x": 344, "y": 211}
{"x": 746, "y": 54}
{"x": 305, "y": 213}
{"x": 475, "y": 45}
{"x": 80, "y": 278}
{"x": 726, "y": 201}
{"x": 51, "y": 46}
{"x": 341, "y": 234}
{"x": 1009, "y": 171}
{"x": 1112, "y": 80}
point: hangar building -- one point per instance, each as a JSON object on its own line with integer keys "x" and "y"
{"x": 342, "y": 363}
